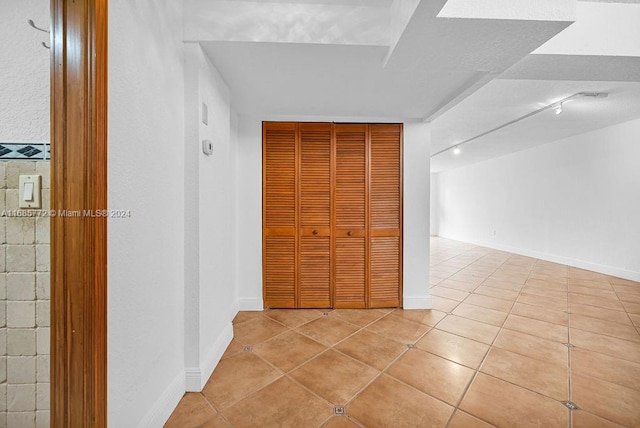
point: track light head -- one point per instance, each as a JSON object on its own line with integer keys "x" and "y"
{"x": 558, "y": 108}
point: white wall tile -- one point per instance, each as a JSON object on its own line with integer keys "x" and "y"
{"x": 43, "y": 419}
{"x": 24, "y": 303}
{"x": 44, "y": 169}
{"x": 42, "y": 258}
{"x": 46, "y": 199}
{"x": 3, "y": 252}
{"x": 21, "y": 370}
{"x": 3, "y": 225}
{"x": 17, "y": 168}
{"x": 20, "y": 230}
{"x": 3, "y": 175}
{"x": 43, "y": 229}
{"x": 43, "y": 368}
{"x": 42, "y": 396}
{"x": 3, "y": 341}
{"x": 21, "y": 398}
{"x": 3, "y": 369}
{"x": 43, "y": 339}
{"x": 3, "y": 399}
{"x": 43, "y": 317}
{"x": 43, "y": 286}
{"x": 11, "y": 199}
{"x": 21, "y": 419}
{"x": 21, "y": 286}
{"x": 21, "y": 342}
{"x": 3, "y": 286}
{"x": 20, "y": 258}
{"x": 21, "y": 314}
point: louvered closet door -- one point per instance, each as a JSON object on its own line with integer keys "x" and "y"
{"x": 279, "y": 214}
{"x": 350, "y": 225}
{"x": 385, "y": 210}
{"x": 314, "y": 264}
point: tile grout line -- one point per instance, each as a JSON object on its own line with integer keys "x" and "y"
{"x": 430, "y": 328}
{"x": 569, "y": 350}
{"x": 327, "y": 348}
{"x": 477, "y": 370}
{"x": 623, "y": 306}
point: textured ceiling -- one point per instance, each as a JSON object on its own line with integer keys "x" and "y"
{"x": 337, "y": 64}
{"x": 367, "y": 3}
{"x": 502, "y": 101}
{"x": 467, "y": 69}
{"x": 599, "y": 53}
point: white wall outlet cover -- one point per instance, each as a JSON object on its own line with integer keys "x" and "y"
{"x": 207, "y": 147}
{"x": 30, "y": 191}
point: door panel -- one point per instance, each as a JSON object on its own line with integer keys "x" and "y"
{"x": 315, "y": 176}
{"x": 385, "y": 271}
{"x": 279, "y": 271}
{"x": 279, "y": 214}
{"x": 315, "y": 272}
{"x": 314, "y": 280}
{"x": 350, "y": 181}
{"x": 350, "y": 272}
{"x": 385, "y": 212}
{"x": 350, "y": 243}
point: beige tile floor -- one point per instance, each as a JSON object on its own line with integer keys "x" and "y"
{"x": 509, "y": 340}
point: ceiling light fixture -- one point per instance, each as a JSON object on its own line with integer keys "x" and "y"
{"x": 557, "y": 106}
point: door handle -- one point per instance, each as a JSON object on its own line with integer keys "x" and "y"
{"x": 349, "y": 233}
{"x": 315, "y": 232}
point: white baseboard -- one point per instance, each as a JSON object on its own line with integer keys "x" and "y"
{"x": 197, "y": 377}
{"x": 192, "y": 376}
{"x": 595, "y": 267}
{"x": 250, "y": 304}
{"x": 212, "y": 358}
{"x": 416, "y": 302}
{"x": 164, "y": 405}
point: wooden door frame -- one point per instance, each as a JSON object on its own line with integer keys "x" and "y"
{"x": 78, "y": 183}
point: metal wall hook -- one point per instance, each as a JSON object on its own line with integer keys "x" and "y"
{"x": 33, "y": 25}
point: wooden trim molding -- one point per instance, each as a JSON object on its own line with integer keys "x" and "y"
{"x": 79, "y": 185}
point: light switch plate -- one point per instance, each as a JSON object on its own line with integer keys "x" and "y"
{"x": 36, "y": 201}
{"x": 205, "y": 114}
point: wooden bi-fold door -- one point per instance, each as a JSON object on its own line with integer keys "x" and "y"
{"x": 332, "y": 215}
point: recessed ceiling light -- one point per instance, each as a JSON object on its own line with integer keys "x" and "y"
{"x": 456, "y": 150}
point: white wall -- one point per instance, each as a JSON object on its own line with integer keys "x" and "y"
{"x": 415, "y": 251}
{"x": 146, "y": 176}
{"x": 575, "y": 201}
{"x": 24, "y": 72}
{"x": 433, "y": 205}
{"x": 210, "y": 303}
{"x": 249, "y": 214}
{"x": 417, "y": 138}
